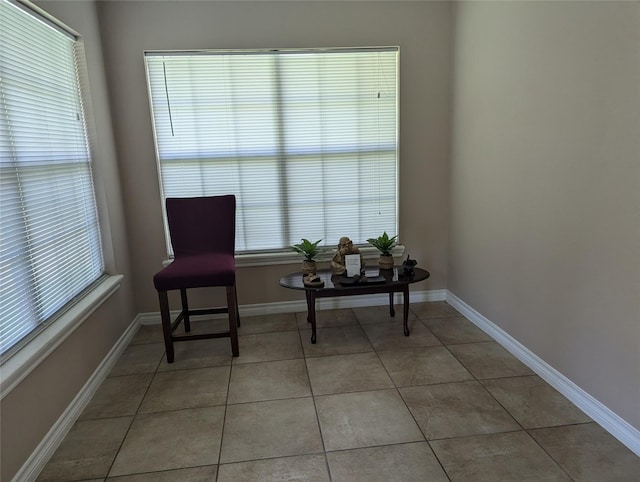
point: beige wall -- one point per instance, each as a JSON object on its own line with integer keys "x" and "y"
{"x": 421, "y": 29}
{"x": 127, "y": 179}
{"x": 128, "y": 185}
{"x": 545, "y": 206}
{"x": 544, "y": 199}
{"x": 30, "y": 410}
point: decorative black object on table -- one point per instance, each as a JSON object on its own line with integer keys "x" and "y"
{"x": 374, "y": 281}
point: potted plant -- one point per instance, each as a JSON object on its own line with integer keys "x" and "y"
{"x": 384, "y": 244}
{"x": 309, "y": 250}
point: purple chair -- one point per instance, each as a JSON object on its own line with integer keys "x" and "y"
{"x": 203, "y": 231}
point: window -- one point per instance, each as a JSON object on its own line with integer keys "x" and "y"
{"x": 305, "y": 139}
{"x": 50, "y": 249}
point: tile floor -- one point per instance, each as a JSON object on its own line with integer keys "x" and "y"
{"x": 363, "y": 404}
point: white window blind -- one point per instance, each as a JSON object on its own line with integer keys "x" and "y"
{"x": 305, "y": 139}
{"x": 50, "y": 248}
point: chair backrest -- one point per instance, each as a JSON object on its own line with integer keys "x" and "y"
{"x": 200, "y": 225}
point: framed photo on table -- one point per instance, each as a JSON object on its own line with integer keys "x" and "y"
{"x": 352, "y": 264}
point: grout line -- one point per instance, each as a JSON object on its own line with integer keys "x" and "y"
{"x": 133, "y": 418}
{"x": 313, "y": 396}
{"x": 315, "y": 407}
{"x": 224, "y": 420}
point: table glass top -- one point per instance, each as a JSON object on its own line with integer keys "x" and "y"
{"x": 337, "y": 282}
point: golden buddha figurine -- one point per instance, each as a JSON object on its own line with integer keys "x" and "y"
{"x": 345, "y": 246}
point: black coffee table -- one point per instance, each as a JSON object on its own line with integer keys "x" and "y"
{"x": 380, "y": 281}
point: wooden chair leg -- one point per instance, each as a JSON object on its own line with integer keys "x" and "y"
{"x": 166, "y": 324}
{"x": 232, "y": 306}
{"x": 237, "y": 309}
{"x": 185, "y": 310}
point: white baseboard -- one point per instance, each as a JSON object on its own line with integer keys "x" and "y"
{"x": 611, "y": 422}
{"x": 152, "y": 318}
{"x": 46, "y": 448}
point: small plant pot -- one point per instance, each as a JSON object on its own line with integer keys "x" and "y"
{"x": 309, "y": 267}
{"x": 385, "y": 261}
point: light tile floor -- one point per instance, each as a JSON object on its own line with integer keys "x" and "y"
{"x": 363, "y": 404}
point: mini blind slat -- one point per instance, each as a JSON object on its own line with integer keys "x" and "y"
{"x": 50, "y": 248}
{"x": 307, "y": 141}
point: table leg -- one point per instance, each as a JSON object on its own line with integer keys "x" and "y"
{"x": 311, "y": 314}
{"x": 405, "y": 297}
{"x": 392, "y": 312}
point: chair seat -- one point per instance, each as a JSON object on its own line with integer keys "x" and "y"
{"x": 196, "y": 271}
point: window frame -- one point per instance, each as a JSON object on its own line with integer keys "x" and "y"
{"x": 21, "y": 359}
{"x": 283, "y": 255}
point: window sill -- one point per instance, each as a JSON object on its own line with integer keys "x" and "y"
{"x": 291, "y": 257}
{"x": 22, "y": 363}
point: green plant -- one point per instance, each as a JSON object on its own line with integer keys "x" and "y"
{"x": 308, "y": 249}
{"x": 384, "y": 243}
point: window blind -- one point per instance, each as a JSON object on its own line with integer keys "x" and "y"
{"x": 50, "y": 248}
{"x": 305, "y": 139}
